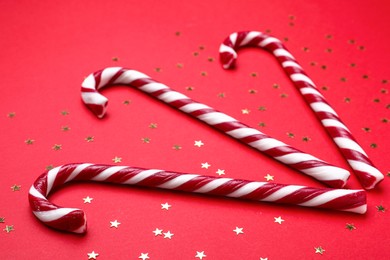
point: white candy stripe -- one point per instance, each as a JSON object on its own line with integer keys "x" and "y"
{"x": 129, "y": 76}
{"x": 266, "y": 144}
{"x": 326, "y": 197}
{"x": 171, "y": 96}
{"x": 364, "y": 167}
{"x": 51, "y": 215}
{"x": 51, "y": 176}
{"x": 107, "y": 74}
{"x": 107, "y": 173}
{"x": 310, "y": 90}
{"x": 212, "y": 185}
{"x": 290, "y": 63}
{"x": 322, "y": 107}
{"x": 283, "y": 192}
{"x": 347, "y": 143}
{"x": 224, "y": 48}
{"x": 267, "y": 41}
{"x": 246, "y": 189}
{"x": 89, "y": 82}
{"x": 297, "y": 157}
{"x": 250, "y": 36}
{"x": 77, "y": 171}
{"x": 233, "y": 38}
{"x": 243, "y": 132}
{"x": 93, "y": 98}
{"x": 333, "y": 122}
{"x": 214, "y": 118}
{"x": 301, "y": 77}
{"x": 152, "y": 87}
{"x": 189, "y": 108}
{"x": 176, "y": 182}
{"x": 282, "y": 52}
{"x": 327, "y": 172}
{"x": 141, "y": 176}
{"x": 36, "y": 193}
{"x": 361, "y": 209}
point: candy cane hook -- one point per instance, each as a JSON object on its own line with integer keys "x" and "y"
{"x": 368, "y": 175}
{"x": 74, "y": 220}
{"x": 296, "y": 159}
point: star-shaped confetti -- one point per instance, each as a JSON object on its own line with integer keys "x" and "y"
{"x": 65, "y": 128}
{"x": 144, "y": 256}
{"x": 89, "y": 139}
{"x": 198, "y": 143}
{"x": 146, "y": 140}
{"x": 8, "y": 229}
{"x": 278, "y": 220}
{"x": 115, "y": 223}
{"x": 126, "y": 102}
{"x": 158, "y": 232}
{"x": 64, "y": 113}
{"x": 269, "y": 177}
{"x": 205, "y": 165}
{"x": 176, "y": 147}
{"x": 220, "y": 172}
{"x": 165, "y": 206}
{"x": 319, "y": 250}
{"x": 168, "y": 234}
{"x": 92, "y": 255}
{"x": 245, "y": 111}
{"x": 57, "y": 147}
{"x": 117, "y": 159}
{"x": 380, "y": 208}
{"x": 29, "y": 141}
{"x": 15, "y": 187}
{"x": 2, "y": 219}
{"x": 350, "y": 227}
{"x": 152, "y": 125}
{"x": 238, "y": 230}
{"x": 87, "y": 199}
{"x": 200, "y": 255}
{"x": 11, "y": 115}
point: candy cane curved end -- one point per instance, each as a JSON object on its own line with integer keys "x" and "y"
{"x": 366, "y": 172}
{"x": 74, "y": 220}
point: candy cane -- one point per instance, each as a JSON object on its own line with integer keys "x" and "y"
{"x": 368, "y": 175}
{"x": 307, "y": 164}
{"x": 74, "y": 220}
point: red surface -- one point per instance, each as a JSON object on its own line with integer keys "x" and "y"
{"x": 48, "y": 47}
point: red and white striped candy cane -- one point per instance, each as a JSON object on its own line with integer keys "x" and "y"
{"x": 74, "y": 220}
{"x": 305, "y": 163}
{"x": 368, "y": 175}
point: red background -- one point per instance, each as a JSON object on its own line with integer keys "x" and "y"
{"x": 48, "y": 47}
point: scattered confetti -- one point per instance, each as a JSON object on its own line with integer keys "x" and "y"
{"x": 245, "y": 111}
{"x": 146, "y": 140}
{"x": 11, "y": 115}
{"x": 168, "y": 234}
{"x": 89, "y": 139}
{"x": 2, "y": 219}
{"x": 126, "y": 102}
{"x": 262, "y": 108}
{"x": 8, "y": 229}
{"x": 238, "y": 230}
{"x": 65, "y": 128}
{"x": 144, "y": 256}
{"x": 115, "y": 223}
{"x": 306, "y": 139}
{"x": 278, "y": 220}
{"x": 115, "y": 59}
{"x": 205, "y": 165}
{"x": 92, "y": 255}
{"x": 29, "y": 141}
{"x": 198, "y": 143}
{"x": 165, "y": 206}
{"x": 350, "y": 226}
{"x": 319, "y": 250}
{"x": 220, "y": 172}
{"x": 380, "y": 208}
{"x": 269, "y": 177}
{"x": 153, "y": 125}
{"x": 64, "y": 113}
{"x": 87, "y": 199}
{"x": 176, "y": 147}
{"x": 57, "y": 147}
{"x": 158, "y": 232}
{"x": 117, "y": 159}
{"x": 200, "y": 255}
{"x": 15, "y": 187}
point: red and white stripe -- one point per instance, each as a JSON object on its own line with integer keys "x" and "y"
{"x": 74, "y": 220}
{"x": 296, "y": 159}
{"x": 366, "y": 172}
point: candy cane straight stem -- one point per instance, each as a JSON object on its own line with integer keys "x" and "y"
{"x": 296, "y": 159}
{"x": 368, "y": 175}
{"x": 74, "y": 220}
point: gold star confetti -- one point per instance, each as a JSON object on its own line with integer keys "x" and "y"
{"x": 87, "y": 199}
{"x": 8, "y": 229}
{"x": 157, "y": 69}
{"x": 245, "y": 111}
{"x": 238, "y": 230}
{"x": 380, "y": 208}
{"x": 284, "y": 95}
{"x": 376, "y": 100}
{"x": 384, "y": 120}
{"x": 195, "y": 53}
{"x": 201, "y": 47}
{"x": 252, "y": 91}
{"x": 366, "y": 129}
{"x": 291, "y": 135}
{"x": 261, "y": 124}
{"x": 15, "y": 187}
{"x": 190, "y": 88}
{"x": 203, "y": 73}
{"x": 384, "y": 91}
{"x": 92, "y": 255}
{"x": 117, "y": 159}
{"x": 254, "y": 74}
{"x": 158, "y": 232}
{"x": 89, "y": 139}
{"x": 64, "y": 113}
{"x": 49, "y": 167}
{"x": 350, "y": 227}
{"x": 176, "y": 147}
{"x": 179, "y": 65}
{"x": 29, "y": 141}
{"x": 198, "y": 143}
{"x": 343, "y": 79}
{"x": 262, "y": 108}
{"x": 2, "y": 219}
{"x": 114, "y": 224}
{"x": 220, "y": 172}
{"x": 324, "y": 67}
{"x": 152, "y": 125}
{"x": 65, "y": 128}
{"x": 146, "y": 140}
{"x": 168, "y": 234}
{"x": 374, "y": 145}
{"x": 305, "y": 49}
{"x": 11, "y": 115}
{"x": 347, "y": 100}
{"x": 325, "y": 88}
{"x": 221, "y": 95}
{"x": 319, "y": 250}
{"x": 57, "y": 147}
{"x": 165, "y": 206}
{"x": 275, "y": 86}
{"x": 278, "y": 220}
{"x": 126, "y": 102}
{"x": 115, "y": 59}
{"x": 177, "y": 33}
{"x": 144, "y": 256}
{"x": 269, "y": 177}
{"x": 200, "y": 255}
{"x": 306, "y": 139}
{"x": 210, "y": 59}
{"x": 205, "y": 165}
